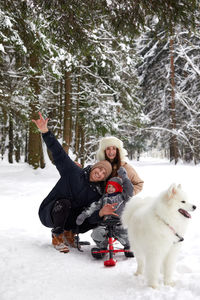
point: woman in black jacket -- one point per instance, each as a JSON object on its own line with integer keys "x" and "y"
{"x": 76, "y": 189}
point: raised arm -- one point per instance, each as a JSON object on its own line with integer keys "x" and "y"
{"x": 61, "y": 159}
{"x": 41, "y": 123}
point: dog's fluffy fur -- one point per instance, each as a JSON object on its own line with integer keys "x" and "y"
{"x": 155, "y": 227}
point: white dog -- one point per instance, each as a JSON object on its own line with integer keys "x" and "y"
{"x": 155, "y": 229}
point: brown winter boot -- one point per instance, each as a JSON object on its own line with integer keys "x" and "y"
{"x": 69, "y": 238}
{"x": 59, "y": 244}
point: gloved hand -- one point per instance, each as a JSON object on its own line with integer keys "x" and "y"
{"x": 81, "y": 218}
{"x": 122, "y": 172}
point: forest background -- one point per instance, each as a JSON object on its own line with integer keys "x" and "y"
{"x": 120, "y": 67}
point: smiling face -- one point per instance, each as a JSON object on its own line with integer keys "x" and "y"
{"x": 111, "y": 152}
{"x": 97, "y": 174}
{"x": 110, "y": 189}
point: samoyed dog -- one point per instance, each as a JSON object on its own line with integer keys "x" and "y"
{"x": 156, "y": 227}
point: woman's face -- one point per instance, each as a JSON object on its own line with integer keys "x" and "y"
{"x": 111, "y": 152}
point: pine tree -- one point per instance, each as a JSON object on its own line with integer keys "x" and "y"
{"x": 169, "y": 89}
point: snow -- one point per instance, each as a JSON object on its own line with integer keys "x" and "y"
{"x": 30, "y": 268}
{"x": 2, "y": 48}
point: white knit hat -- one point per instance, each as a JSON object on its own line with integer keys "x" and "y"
{"x": 108, "y": 142}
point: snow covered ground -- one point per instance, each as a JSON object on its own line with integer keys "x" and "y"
{"x": 31, "y": 269}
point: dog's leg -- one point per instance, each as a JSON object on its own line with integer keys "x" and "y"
{"x": 140, "y": 265}
{"x": 152, "y": 267}
{"x": 169, "y": 265}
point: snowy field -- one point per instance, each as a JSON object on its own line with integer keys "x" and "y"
{"x": 30, "y": 268}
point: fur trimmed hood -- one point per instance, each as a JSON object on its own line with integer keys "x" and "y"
{"x": 111, "y": 141}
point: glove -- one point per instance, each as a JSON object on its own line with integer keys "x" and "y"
{"x": 81, "y": 218}
{"x": 122, "y": 172}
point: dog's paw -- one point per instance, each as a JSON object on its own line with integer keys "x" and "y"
{"x": 136, "y": 273}
{"x": 170, "y": 283}
{"x": 154, "y": 286}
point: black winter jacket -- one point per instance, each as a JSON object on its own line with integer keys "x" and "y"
{"x": 73, "y": 185}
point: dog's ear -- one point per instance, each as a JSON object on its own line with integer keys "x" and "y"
{"x": 172, "y": 191}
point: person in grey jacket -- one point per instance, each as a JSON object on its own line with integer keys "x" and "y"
{"x": 117, "y": 193}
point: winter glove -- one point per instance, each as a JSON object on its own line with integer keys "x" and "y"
{"x": 122, "y": 173}
{"x": 81, "y": 218}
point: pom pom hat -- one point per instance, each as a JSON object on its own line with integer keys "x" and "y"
{"x": 116, "y": 182}
{"x": 108, "y": 142}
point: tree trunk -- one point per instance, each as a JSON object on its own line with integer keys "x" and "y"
{"x": 60, "y": 107}
{"x": 3, "y": 132}
{"x": 77, "y": 137}
{"x": 77, "y": 126}
{"x": 17, "y": 148}
{"x": 33, "y": 141}
{"x": 35, "y": 152}
{"x": 42, "y": 163}
{"x": 82, "y": 149}
{"x": 11, "y": 141}
{"x": 67, "y": 113}
{"x": 26, "y": 148}
{"x": 173, "y": 139}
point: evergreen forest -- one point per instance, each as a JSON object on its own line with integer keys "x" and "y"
{"x": 128, "y": 68}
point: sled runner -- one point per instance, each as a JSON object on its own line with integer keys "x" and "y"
{"x": 100, "y": 253}
{"x": 80, "y": 243}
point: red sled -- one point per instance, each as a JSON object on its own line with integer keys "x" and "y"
{"x": 100, "y": 253}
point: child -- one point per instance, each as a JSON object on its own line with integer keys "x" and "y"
{"x": 117, "y": 193}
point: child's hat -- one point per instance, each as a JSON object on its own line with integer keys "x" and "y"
{"x": 117, "y": 183}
